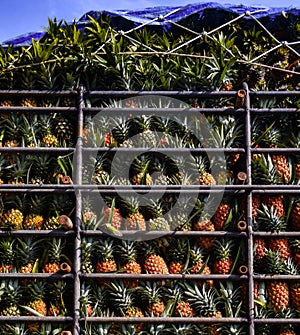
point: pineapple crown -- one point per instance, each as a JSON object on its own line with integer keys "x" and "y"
{"x": 121, "y": 296}
{"x": 10, "y": 292}
{"x": 151, "y": 291}
{"x": 223, "y": 248}
{"x": 36, "y": 290}
{"x": 178, "y": 249}
{"x": 203, "y": 300}
{"x": 269, "y": 220}
{"x": 197, "y": 254}
{"x": 7, "y": 250}
{"x": 55, "y": 248}
{"x": 105, "y": 248}
{"x": 274, "y": 263}
{"x": 127, "y": 250}
{"x": 27, "y": 249}
{"x": 264, "y": 171}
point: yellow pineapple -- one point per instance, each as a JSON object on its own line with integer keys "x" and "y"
{"x": 55, "y": 247}
{"x": 278, "y": 294}
{"x": 106, "y": 261}
{"x": 33, "y": 221}
{"x": 12, "y": 218}
{"x": 154, "y": 263}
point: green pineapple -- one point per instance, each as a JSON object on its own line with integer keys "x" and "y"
{"x": 10, "y": 297}
{"x": 7, "y": 254}
{"x": 28, "y": 251}
{"x": 63, "y": 130}
{"x": 86, "y": 255}
{"x": 158, "y": 221}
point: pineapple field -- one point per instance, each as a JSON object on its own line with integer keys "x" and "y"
{"x": 149, "y": 179}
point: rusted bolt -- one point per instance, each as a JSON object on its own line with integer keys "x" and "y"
{"x": 66, "y": 180}
{"x": 241, "y": 178}
{"x": 65, "y": 222}
{"x": 65, "y": 267}
{"x": 242, "y": 225}
{"x": 243, "y": 269}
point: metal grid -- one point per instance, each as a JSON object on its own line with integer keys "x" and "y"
{"x": 243, "y": 107}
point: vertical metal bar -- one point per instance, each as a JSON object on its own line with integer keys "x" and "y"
{"x": 249, "y": 211}
{"x": 78, "y": 182}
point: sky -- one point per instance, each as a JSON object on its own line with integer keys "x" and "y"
{"x": 18, "y": 17}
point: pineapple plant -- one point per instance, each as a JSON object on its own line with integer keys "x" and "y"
{"x": 204, "y": 178}
{"x": 88, "y": 217}
{"x": 55, "y": 247}
{"x": 113, "y": 216}
{"x": 63, "y": 130}
{"x": 140, "y": 174}
{"x": 35, "y": 208}
{"x": 178, "y": 252}
{"x": 221, "y": 215}
{"x": 10, "y": 297}
{"x": 204, "y": 224}
{"x": 157, "y": 220}
{"x": 134, "y": 219}
{"x": 124, "y": 303}
{"x": 12, "y": 130}
{"x": 56, "y": 305}
{"x": 278, "y": 294}
{"x": 199, "y": 266}
{"x": 87, "y": 246}
{"x": 223, "y": 252}
{"x": 295, "y": 217}
{"x": 100, "y": 174}
{"x": 127, "y": 252}
{"x": 36, "y": 304}
{"x": 154, "y": 263}
{"x": 204, "y": 301}
{"x": 28, "y": 251}
{"x": 7, "y": 254}
{"x": 105, "y": 248}
{"x": 151, "y": 293}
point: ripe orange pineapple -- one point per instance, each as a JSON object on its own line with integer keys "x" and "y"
{"x": 295, "y": 295}
{"x": 184, "y": 309}
{"x": 114, "y": 217}
{"x": 33, "y": 221}
{"x": 128, "y": 255}
{"x": 105, "y": 249}
{"x": 151, "y": 293}
{"x": 220, "y": 216}
{"x": 198, "y": 265}
{"x": 55, "y": 246}
{"x": 204, "y": 225}
{"x": 154, "y": 263}
{"x": 278, "y": 294}
{"x": 223, "y": 253}
{"x": 177, "y": 252}
{"x": 259, "y": 248}
{"x": 295, "y": 215}
{"x": 276, "y": 201}
{"x": 134, "y": 220}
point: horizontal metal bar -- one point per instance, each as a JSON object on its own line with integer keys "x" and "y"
{"x": 199, "y": 94}
{"x": 37, "y": 150}
{"x": 38, "y": 92}
{"x": 29, "y": 318}
{"x": 276, "y": 277}
{"x": 156, "y": 233}
{"x": 279, "y": 150}
{"x": 274, "y": 110}
{"x": 161, "y": 319}
{"x": 28, "y": 232}
{"x": 274, "y": 93}
{"x": 277, "y": 321}
{"x": 36, "y": 275}
{"x": 13, "y": 109}
{"x": 279, "y": 234}
{"x": 165, "y": 150}
{"x": 183, "y": 276}
{"x": 151, "y": 111}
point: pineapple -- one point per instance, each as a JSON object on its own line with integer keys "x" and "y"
{"x": 33, "y": 221}
{"x": 180, "y": 218}
{"x": 86, "y": 255}
{"x": 278, "y": 294}
{"x": 151, "y": 293}
{"x": 269, "y": 220}
{"x": 55, "y": 246}
{"x": 123, "y": 302}
{"x": 134, "y": 219}
{"x": 12, "y": 129}
{"x": 12, "y": 218}
{"x": 28, "y": 250}
{"x": 295, "y": 217}
{"x": 205, "y": 178}
{"x": 154, "y": 263}
{"x": 223, "y": 253}
{"x": 10, "y": 293}
{"x": 221, "y": 215}
{"x": 177, "y": 252}
{"x": 295, "y": 295}
{"x": 100, "y": 175}
{"x": 104, "y": 249}
{"x": 63, "y": 130}
{"x": 202, "y": 300}
{"x": 56, "y": 290}
{"x": 19, "y": 168}
{"x": 158, "y": 221}
{"x": 141, "y": 175}
{"x": 36, "y": 304}
{"x": 128, "y": 255}
{"x": 47, "y": 138}
{"x": 113, "y": 216}
{"x": 198, "y": 266}
{"x": 204, "y": 225}
{"x": 52, "y": 223}
{"x": 7, "y": 254}
{"x": 143, "y": 126}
